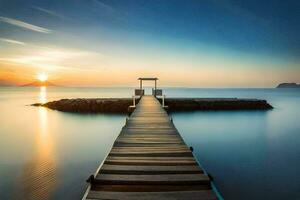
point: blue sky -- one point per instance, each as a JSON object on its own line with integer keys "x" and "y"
{"x": 210, "y": 43}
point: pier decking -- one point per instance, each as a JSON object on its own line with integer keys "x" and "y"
{"x": 149, "y": 160}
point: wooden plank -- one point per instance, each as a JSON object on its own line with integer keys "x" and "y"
{"x": 149, "y": 188}
{"x": 168, "y": 158}
{"x": 130, "y": 140}
{"x": 165, "y": 146}
{"x": 172, "y": 138}
{"x": 148, "y": 142}
{"x": 151, "y": 150}
{"x": 152, "y": 154}
{"x": 149, "y": 137}
{"x": 165, "y": 179}
{"x": 191, "y": 195}
{"x": 149, "y": 162}
{"x": 138, "y": 169}
{"x": 146, "y": 145}
{"x": 145, "y": 131}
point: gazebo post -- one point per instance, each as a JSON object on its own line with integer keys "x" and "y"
{"x": 155, "y": 88}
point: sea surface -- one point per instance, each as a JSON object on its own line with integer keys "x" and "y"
{"x": 47, "y": 154}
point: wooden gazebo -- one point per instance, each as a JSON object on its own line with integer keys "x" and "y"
{"x": 155, "y": 92}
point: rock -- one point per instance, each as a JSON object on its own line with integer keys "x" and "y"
{"x": 37, "y": 104}
{"x": 108, "y": 105}
{"x": 193, "y": 104}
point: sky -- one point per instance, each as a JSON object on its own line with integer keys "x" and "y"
{"x": 191, "y": 43}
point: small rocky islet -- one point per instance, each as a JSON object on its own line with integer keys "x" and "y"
{"x": 288, "y": 85}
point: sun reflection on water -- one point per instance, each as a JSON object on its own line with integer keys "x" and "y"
{"x": 39, "y": 176}
{"x": 43, "y": 94}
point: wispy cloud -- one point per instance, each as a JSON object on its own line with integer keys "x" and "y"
{"x": 24, "y": 25}
{"x": 50, "y": 59}
{"x": 230, "y": 6}
{"x": 104, "y": 6}
{"x": 12, "y": 41}
{"x": 107, "y": 10}
{"x": 49, "y": 12}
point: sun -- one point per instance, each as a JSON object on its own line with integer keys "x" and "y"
{"x": 42, "y": 77}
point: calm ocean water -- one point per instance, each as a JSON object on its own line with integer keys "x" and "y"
{"x": 46, "y": 154}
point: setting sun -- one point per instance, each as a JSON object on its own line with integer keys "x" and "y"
{"x": 42, "y": 77}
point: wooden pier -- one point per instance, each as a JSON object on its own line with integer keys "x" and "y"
{"x": 149, "y": 160}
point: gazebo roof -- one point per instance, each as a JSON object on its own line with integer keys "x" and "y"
{"x": 148, "y": 79}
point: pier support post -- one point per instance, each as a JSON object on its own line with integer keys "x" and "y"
{"x": 133, "y": 99}
{"x": 163, "y": 101}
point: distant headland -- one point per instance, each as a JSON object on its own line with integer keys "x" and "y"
{"x": 288, "y": 85}
{"x": 39, "y": 84}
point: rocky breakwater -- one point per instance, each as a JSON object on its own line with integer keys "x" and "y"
{"x": 193, "y": 104}
{"x": 121, "y": 105}
{"x": 85, "y": 105}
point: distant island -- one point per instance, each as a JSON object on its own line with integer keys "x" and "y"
{"x": 288, "y": 85}
{"x": 39, "y": 84}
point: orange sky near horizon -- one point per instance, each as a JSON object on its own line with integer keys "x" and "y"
{"x": 169, "y": 75}
{"x": 76, "y": 67}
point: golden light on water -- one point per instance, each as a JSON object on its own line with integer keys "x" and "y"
{"x": 39, "y": 177}
{"x": 43, "y": 94}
